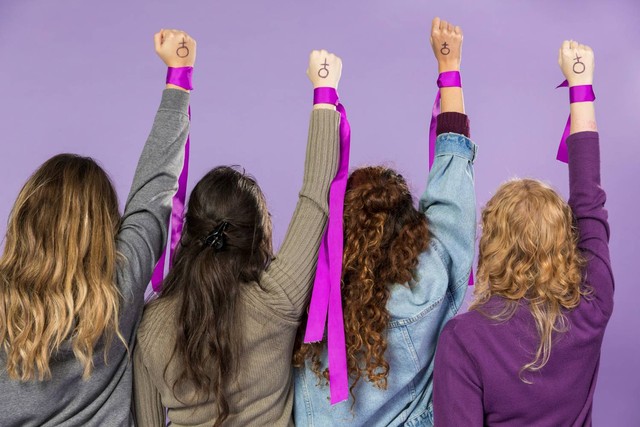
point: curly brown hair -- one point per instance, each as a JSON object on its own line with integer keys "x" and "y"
{"x": 384, "y": 235}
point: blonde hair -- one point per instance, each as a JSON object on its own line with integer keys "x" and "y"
{"x": 57, "y": 271}
{"x": 528, "y": 253}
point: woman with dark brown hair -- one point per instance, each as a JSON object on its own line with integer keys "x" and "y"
{"x": 405, "y": 272}
{"x": 216, "y": 347}
{"x": 74, "y": 272}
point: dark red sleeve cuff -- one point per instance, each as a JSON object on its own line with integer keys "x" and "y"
{"x": 453, "y": 122}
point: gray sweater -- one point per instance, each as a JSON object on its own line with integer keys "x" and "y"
{"x": 105, "y": 399}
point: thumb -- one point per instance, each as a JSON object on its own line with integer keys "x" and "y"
{"x": 157, "y": 40}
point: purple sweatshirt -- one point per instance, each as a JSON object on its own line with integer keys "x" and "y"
{"x": 476, "y": 375}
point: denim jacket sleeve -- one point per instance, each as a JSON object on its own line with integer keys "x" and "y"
{"x": 449, "y": 203}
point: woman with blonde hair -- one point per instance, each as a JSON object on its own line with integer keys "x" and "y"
{"x": 74, "y": 272}
{"x": 528, "y": 351}
{"x": 405, "y": 273}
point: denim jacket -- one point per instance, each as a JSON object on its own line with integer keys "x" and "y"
{"x": 419, "y": 309}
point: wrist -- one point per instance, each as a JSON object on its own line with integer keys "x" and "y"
{"x": 324, "y": 107}
{"x": 333, "y": 86}
{"x": 580, "y": 82}
{"x": 170, "y": 86}
{"x": 180, "y": 78}
{"x": 443, "y": 67}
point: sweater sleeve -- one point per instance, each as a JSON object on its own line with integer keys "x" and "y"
{"x": 147, "y": 402}
{"x": 457, "y": 389}
{"x": 587, "y": 199}
{"x": 452, "y": 122}
{"x": 449, "y": 203}
{"x": 144, "y": 224}
{"x": 287, "y": 283}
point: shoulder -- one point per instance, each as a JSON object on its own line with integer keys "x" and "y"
{"x": 465, "y": 330}
{"x": 462, "y": 325}
{"x": 158, "y": 327}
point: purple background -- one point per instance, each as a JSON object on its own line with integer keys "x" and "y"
{"x": 82, "y": 77}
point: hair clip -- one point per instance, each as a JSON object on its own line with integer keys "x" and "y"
{"x": 216, "y": 239}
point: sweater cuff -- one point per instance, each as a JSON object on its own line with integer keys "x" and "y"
{"x": 452, "y": 122}
{"x": 175, "y": 100}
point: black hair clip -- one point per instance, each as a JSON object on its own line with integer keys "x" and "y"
{"x": 216, "y": 239}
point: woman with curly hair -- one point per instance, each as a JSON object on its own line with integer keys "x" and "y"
{"x": 405, "y": 273}
{"x": 528, "y": 351}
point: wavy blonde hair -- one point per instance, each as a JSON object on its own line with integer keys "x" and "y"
{"x": 57, "y": 271}
{"x": 529, "y": 254}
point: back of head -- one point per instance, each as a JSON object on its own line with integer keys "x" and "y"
{"x": 528, "y": 253}
{"x": 225, "y": 243}
{"x": 384, "y": 235}
{"x": 58, "y": 267}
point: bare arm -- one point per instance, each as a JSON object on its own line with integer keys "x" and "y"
{"x": 446, "y": 41}
{"x": 577, "y": 64}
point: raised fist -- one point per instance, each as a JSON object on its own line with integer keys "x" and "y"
{"x": 324, "y": 69}
{"x": 176, "y": 48}
{"x": 576, "y": 62}
{"x": 446, "y": 41}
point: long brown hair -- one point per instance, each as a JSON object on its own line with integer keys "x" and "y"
{"x": 207, "y": 281}
{"x": 529, "y": 254}
{"x": 384, "y": 235}
{"x": 58, "y": 267}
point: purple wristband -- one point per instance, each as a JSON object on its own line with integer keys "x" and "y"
{"x": 181, "y": 77}
{"x": 583, "y": 93}
{"x": 325, "y": 95}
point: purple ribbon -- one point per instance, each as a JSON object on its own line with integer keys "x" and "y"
{"x": 181, "y": 77}
{"x": 446, "y": 79}
{"x": 326, "y": 299}
{"x": 582, "y": 93}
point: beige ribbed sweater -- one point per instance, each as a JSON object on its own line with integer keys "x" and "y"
{"x": 270, "y": 313}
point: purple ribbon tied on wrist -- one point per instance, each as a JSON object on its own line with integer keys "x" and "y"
{"x": 326, "y": 298}
{"x": 446, "y": 79}
{"x": 181, "y": 77}
{"x": 582, "y": 93}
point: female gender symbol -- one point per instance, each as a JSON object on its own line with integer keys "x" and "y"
{"x": 324, "y": 70}
{"x": 182, "y": 46}
{"x": 445, "y": 49}
{"x": 578, "y": 64}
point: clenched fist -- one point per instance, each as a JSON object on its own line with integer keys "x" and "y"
{"x": 324, "y": 69}
{"x": 576, "y": 62}
{"x": 446, "y": 42}
{"x": 176, "y": 48}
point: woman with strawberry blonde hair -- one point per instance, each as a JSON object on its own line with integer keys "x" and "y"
{"x": 74, "y": 272}
{"x": 528, "y": 351}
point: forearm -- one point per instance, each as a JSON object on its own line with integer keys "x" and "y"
{"x": 292, "y": 272}
{"x": 451, "y": 100}
{"x": 145, "y": 221}
{"x": 583, "y": 117}
{"x": 587, "y": 200}
{"x": 449, "y": 202}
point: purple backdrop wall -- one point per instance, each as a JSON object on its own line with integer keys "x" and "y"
{"x": 82, "y": 77}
